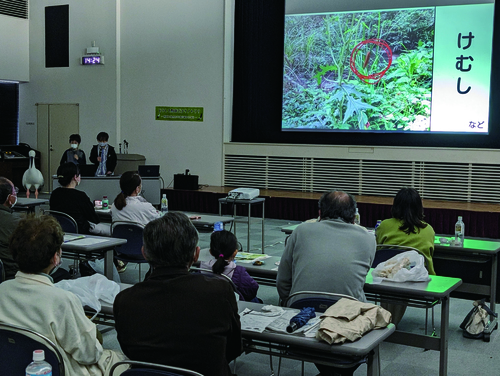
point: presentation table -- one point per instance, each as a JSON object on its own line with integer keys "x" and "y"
{"x": 234, "y": 202}
{"x": 76, "y": 246}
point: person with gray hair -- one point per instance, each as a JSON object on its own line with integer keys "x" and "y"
{"x": 330, "y": 255}
{"x": 175, "y": 317}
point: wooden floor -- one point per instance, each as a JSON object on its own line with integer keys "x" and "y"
{"x": 431, "y": 204}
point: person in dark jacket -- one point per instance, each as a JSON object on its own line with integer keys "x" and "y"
{"x": 174, "y": 317}
{"x": 224, "y": 247}
{"x": 103, "y": 155}
{"x": 74, "y": 153}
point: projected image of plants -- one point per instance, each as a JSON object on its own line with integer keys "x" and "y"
{"x": 367, "y": 71}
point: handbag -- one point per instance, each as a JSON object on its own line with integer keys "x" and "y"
{"x": 477, "y": 320}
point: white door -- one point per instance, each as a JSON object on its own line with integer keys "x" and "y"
{"x": 55, "y": 123}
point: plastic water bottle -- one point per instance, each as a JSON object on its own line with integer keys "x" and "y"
{"x": 459, "y": 231}
{"x": 357, "y": 218}
{"x": 379, "y": 221}
{"x": 105, "y": 202}
{"x": 39, "y": 366}
{"x": 164, "y": 204}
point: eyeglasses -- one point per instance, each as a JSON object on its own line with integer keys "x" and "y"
{"x": 16, "y": 190}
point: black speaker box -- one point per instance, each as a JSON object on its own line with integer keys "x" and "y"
{"x": 186, "y": 182}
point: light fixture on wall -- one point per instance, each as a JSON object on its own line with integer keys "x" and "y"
{"x": 93, "y": 56}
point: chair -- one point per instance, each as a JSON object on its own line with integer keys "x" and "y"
{"x": 66, "y": 221}
{"x": 131, "y": 251}
{"x": 151, "y": 369}
{"x": 16, "y": 350}
{"x": 386, "y": 251}
{"x": 321, "y": 301}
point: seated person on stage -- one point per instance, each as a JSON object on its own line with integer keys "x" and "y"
{"x": 331, "y": 255}
{"x": 8, "y": 222}
{"x": 103, "y": 155}
{"x": 31, "y": 300}
{"x": 74, "y": 153}
{"x": 76, "y": 203}
{"x": 224, "y": 247}
{"x": 407, "y": 228}
{"x": 128, "y": 205}
{"x": 175, "y": 317}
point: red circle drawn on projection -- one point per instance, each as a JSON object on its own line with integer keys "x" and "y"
{"x": 373, "y": 78}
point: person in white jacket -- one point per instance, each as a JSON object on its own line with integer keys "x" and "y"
{"x": 129, "y": 205}
{"x": 32, "y": 301}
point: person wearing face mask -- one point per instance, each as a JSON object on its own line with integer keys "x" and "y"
{"x": 76, "y": 203}
{"x": 32, "y": 301}
{"x": 129, "y": 205}
{"x": 103, "y": 155}
{"x": 74, "y": 153}
{"x": 8, "y": 222}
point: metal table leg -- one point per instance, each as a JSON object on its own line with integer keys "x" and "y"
{"x": 443, "y": 343}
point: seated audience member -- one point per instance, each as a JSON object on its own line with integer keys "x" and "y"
{"x": 224, "y": 247}
{"x": 103, "y": 155}
{"x": 32, "y": 301}
{"x": 74, "y": 154}
{"x": 406, "y": 227}
{"x": 8, "y": 222}
{"x": 175, "y": 317}
{"x": 76, "y": 203}
{"x": 128, "y": 205}
{"x": 331, "y": 255}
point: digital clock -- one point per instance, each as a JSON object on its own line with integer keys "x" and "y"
{"x": 93, "y": 60}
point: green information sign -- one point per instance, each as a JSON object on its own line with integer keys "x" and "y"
{"x": 179, "y": 113}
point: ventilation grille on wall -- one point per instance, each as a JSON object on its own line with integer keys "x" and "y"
{"x": 14, "y": 8}
{"x": 439, "y": 181}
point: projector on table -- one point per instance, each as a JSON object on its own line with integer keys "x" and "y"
{"x": 243, "y": 194}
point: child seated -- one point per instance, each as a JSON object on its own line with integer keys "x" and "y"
{"x": 224, "y": 247}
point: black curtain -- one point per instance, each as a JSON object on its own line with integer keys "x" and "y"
{"x": 258, "y": 67}
{"x": 9, "y": 113}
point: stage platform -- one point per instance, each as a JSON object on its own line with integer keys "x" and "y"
{"x": 481, "y": 219}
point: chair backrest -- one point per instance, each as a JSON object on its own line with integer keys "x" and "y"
{"x": 16, "y": 350}
{"x": 386, "y": 251}
{"x": 151, "y": 369}
{"x": 320, "y": 301}
{"x": 66, "y": 221}
{"x": 132, "y": 231}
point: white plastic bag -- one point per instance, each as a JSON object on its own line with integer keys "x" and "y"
{"x": 414, "y": 271}
{"x": 98, "y": 266}
{"x": 91, "y": 290}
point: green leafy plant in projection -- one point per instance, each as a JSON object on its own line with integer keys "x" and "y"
{"x": 329, "y": 96}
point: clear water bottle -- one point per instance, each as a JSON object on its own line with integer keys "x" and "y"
{"x": 459, "y": 231}
{"x": 39, "y": 366}
{"x": 164, "y": 204}
{"x": 105, "y": 202}
{"x": 379, "y": 221}
{"x": 357, "y": 218}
